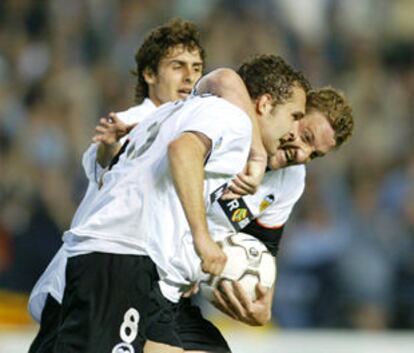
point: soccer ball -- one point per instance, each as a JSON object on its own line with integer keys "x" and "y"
{"x": 248, "y": 262}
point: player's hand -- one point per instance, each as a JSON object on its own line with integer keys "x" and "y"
{"x": 193, "y": 289}
{"x": 111, "y": 129}
{"x": 246, "y": 182}
{"x": 213, "y": 258}
{"x": 233, "y": 300}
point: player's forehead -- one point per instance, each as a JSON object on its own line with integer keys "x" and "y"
{"x": 296, "y": 101}
{"x": 182, "y": 53}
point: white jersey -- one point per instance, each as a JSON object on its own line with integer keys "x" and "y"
{"x": 270, "y": 206}
{"x": 137, "y": 211}
{"x": 52, "y": 280}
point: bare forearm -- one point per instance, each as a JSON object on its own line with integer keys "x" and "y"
{"x": 186, "y": 157}
{"x": 106, "y": 152}
{"x": 226, "y": 83}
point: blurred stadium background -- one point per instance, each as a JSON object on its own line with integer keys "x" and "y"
{"x": 346, "y": 267}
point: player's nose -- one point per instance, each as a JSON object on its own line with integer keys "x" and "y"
{"x": 189, "y": 75}
{"x": 292, "y": 135}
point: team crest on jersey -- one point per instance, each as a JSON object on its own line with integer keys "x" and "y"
{"x": 239, "y": 214}
{"x": 267, "y": 201}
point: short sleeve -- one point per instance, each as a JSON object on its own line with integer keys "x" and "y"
{"x": 228, "y": 128}
{"x": 215, "y": 117}
{"x": 291, "y": 189}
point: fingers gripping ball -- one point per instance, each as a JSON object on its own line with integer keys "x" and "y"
{"x": 248, "y": 262}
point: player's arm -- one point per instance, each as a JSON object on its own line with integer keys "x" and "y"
{"x": 186, "y": 156}
{"x": 226, "y": 83}
{"x": 268, "y": 228}
{"x": 108, "y": 133}
{"x": 235, "y": 302}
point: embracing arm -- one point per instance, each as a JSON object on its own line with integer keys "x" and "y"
{"x": 227, "y": 84}
{"x": 186, "y": 156}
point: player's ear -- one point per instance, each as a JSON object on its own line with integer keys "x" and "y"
{"x": 264, "y": 104}
{"x": 149, "y": 76}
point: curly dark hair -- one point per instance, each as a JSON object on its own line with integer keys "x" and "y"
{"x": 271, "y": 74}
{"x": 337, "y": 110}
{"x": 156, "y": 46}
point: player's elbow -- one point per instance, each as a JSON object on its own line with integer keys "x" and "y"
{"x": 220, "y": 82}
{"x": 228, "y": 81}
{"x": 225, "y": 77}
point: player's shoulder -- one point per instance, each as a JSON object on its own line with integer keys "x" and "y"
{"x": 287, "y": 178}
{"x": 293, "y": 177}
{"x": 213, "y": 110}
{"x": 138, "y": 112}
{"x": 215, "y": 103}
{"x": 293, "y": 181}
{"x": 297, "y": 172}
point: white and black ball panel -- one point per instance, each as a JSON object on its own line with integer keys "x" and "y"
{"x": 248, "y": 262}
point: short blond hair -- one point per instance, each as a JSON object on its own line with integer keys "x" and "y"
{"x": 337, "y": 110}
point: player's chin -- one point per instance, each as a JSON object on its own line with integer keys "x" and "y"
{"x": 277, "y": 161}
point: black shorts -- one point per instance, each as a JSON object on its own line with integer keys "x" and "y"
{"x": 49, "y": 323}
{"x": 197, "y": 333}
{"x": 106, "y": 303}
{"x": 177, "y": 325}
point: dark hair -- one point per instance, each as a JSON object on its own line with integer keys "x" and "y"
{"x": 156, "y": 46}
{"x": 271, "y": 74}
{"x": 337, "y": 110}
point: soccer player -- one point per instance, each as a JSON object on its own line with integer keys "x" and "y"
{"x": 105, "y": 242}
{"x": 168, "y": 63}
{"x": 328, "y": 123}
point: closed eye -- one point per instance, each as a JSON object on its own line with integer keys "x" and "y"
{"x": 316, "y": 154}
{"x": 308, "y": 137}
{"x": 298, "y": 115}
{"x": 177, "y": 64}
